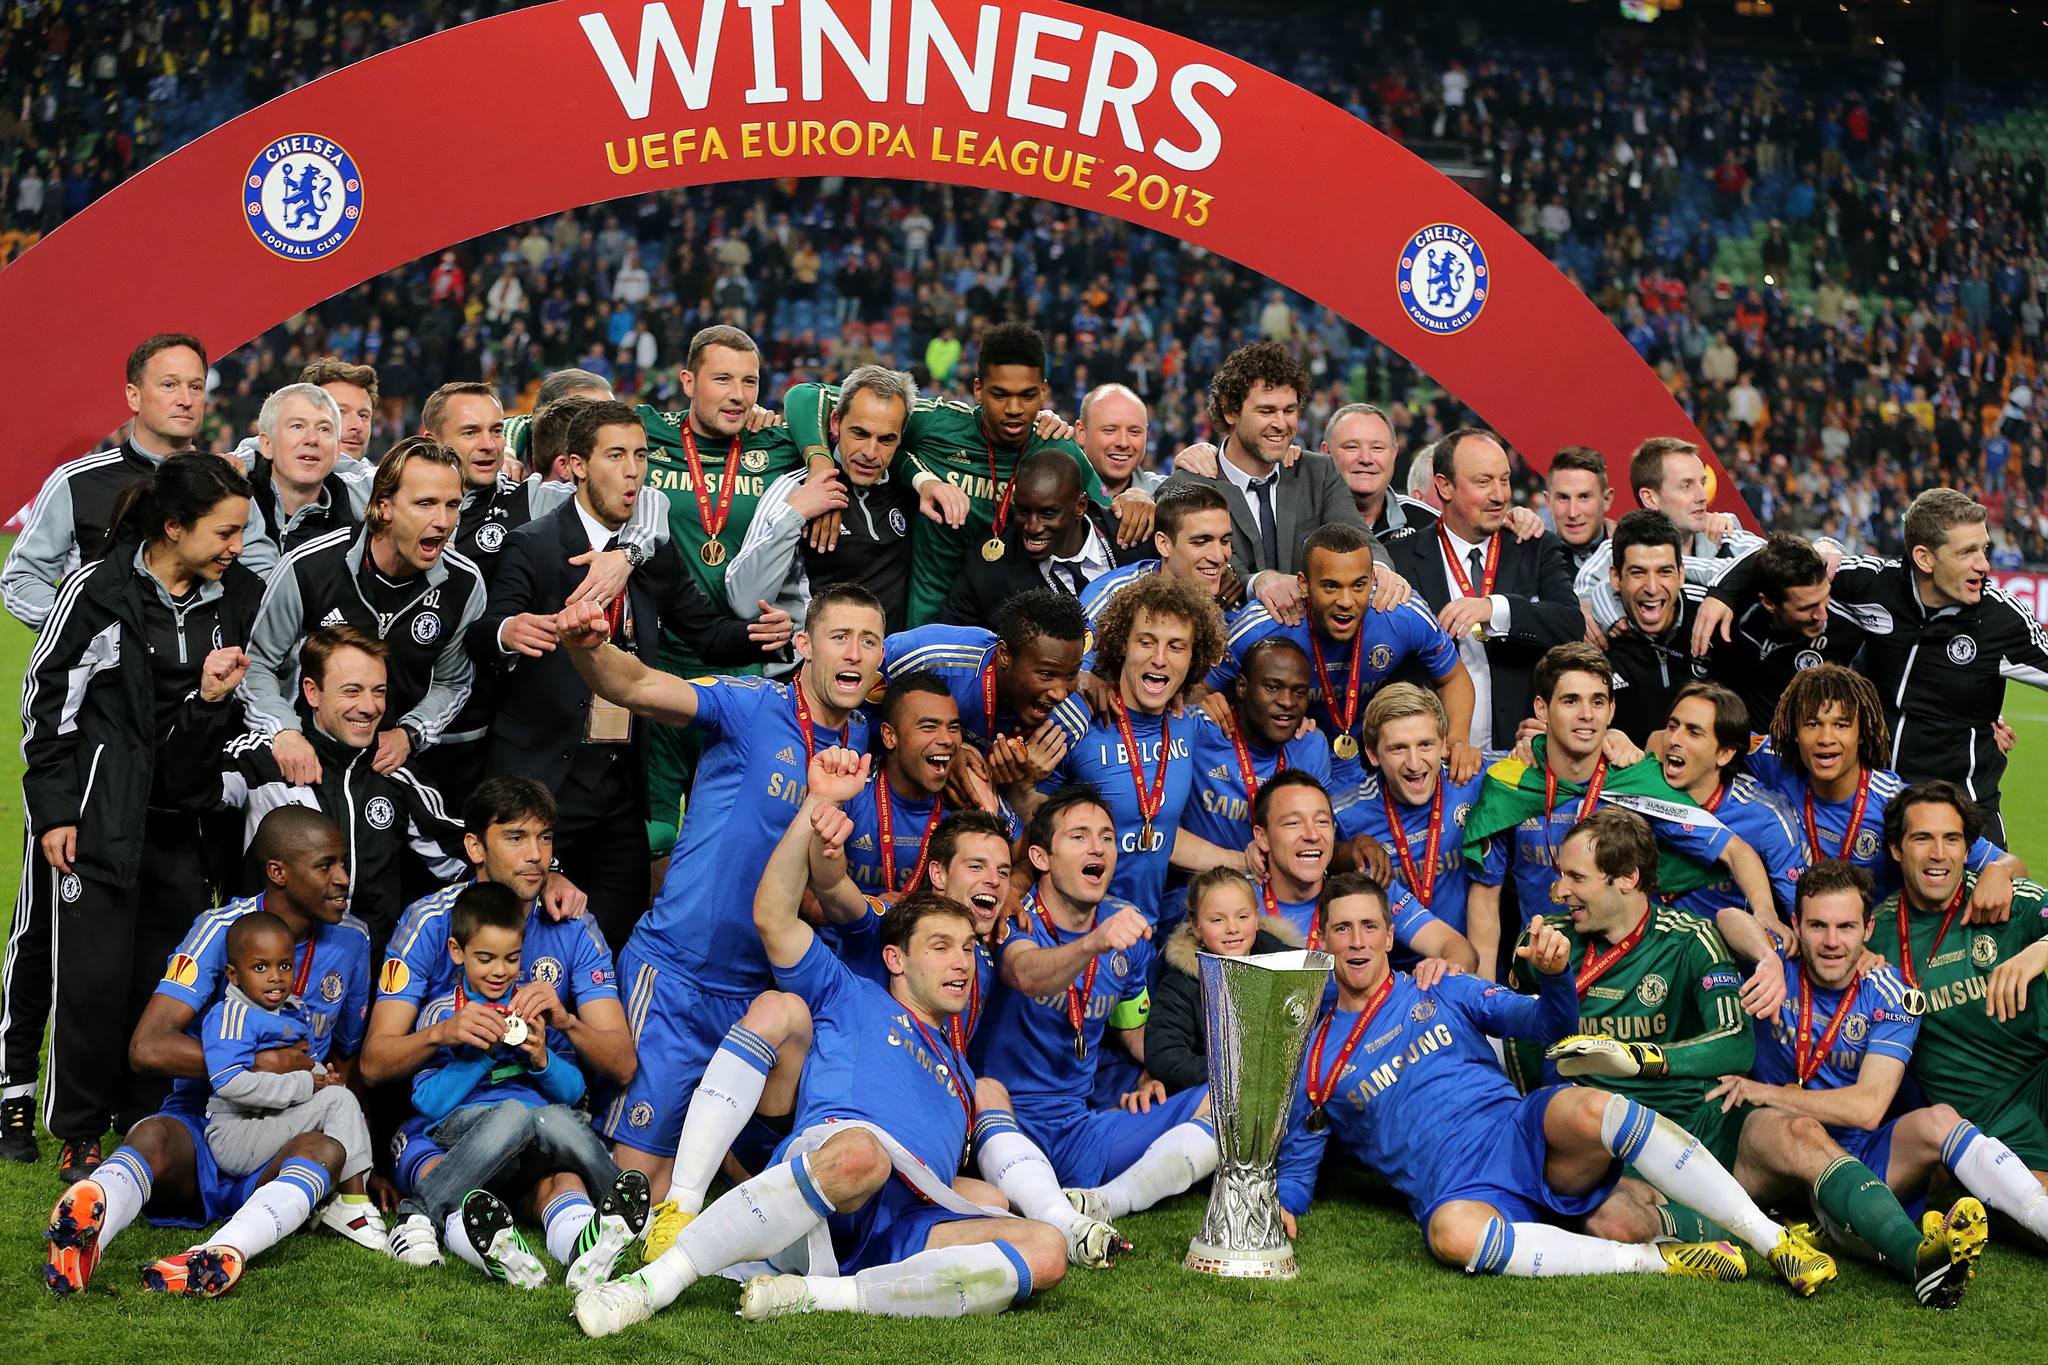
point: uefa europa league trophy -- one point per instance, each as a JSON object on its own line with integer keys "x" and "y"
{"x": 1259, "y": 1009}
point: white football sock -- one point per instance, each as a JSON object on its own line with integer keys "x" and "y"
{"x": 1994, "y": 1173}
{"x": 719, "y": 1109}
{"x": 456, "y": 1239}
{"x": 750, "y": 1222}
{"x": 1537, "y": 1250}
{"x": 565, "y": 1218}
{"x": 1176, "y": 1159}
{"x": 948, "y": 1282}
{"x": 275, "y": 1210}
{"x": 1680, "y": 1165}
{"x": 125, "y": 1178}
{"x": 1014, "y": 1164}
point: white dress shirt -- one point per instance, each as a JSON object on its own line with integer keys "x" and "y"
{"x": 1471, "y": 648}
{"x": 1093, "y": 559}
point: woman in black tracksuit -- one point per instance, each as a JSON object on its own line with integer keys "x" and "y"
{"x": 130, "y": 691}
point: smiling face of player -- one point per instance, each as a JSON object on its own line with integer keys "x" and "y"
{"x": 1264, "y": 426}
{"x": 354, "y": 401}
{"x": 1410, "y": 756}
{"x": 516, "y": 854}
{"x": 934, "y": 972}
{"x": 1298, "y": 838}
{"x": 843, "y": 657}
{"x": 1074, "y": 872}
{"x": 1200, "y": 553}
{"x": 1650, "y": 583}
{"x": 1032, "y": 682}
{"x": 1362, "y": 445}
{"x": 1599, "y": 904}
{"x": 977, "y": 877}
{"x": 170, "y": 401}
{"x": 1356, "y": 933}
{"x": 348, "y": 701}
{"x": 1829, "y": 740}
{"x": 1477, "y": 497}
{"x": 1339, "y": 589}
{"x": 1227, "y": 920}
{"x": 1113, "y": 438}
{"x": 1693, "y": 757}
{"x": 867, "y": 433}
{"x": 473, "y": 426}
{"x": 1272, "y": 696}
{"x": 1955, "y": 574}
{"x": 1155, "y": 662}
{"x": 1832, "y": 927}
{"x": 722, "y": 390}
{"x": 919, "y": 740}
{"x": 1578, "y": 504}
{"x": 1931, "y": 853}
{"x": 419, "y": 520}
{"x": 1575, "y": 720}
{"x": 1010, "y": 397}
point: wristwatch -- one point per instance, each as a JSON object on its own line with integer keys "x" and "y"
{"x": 636, "y": 554}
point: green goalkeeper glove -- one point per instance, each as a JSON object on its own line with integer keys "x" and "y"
{"x": 1595, "y": 1054}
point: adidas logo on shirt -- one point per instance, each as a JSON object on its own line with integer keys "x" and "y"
{"x": 333, "y": 618}
{"x": 788, "y": 755}
{"x": 1220, "y": 773}
{"x": 865, "y": 844}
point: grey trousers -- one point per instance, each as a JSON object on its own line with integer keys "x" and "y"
{"x": 242, "y": 1143}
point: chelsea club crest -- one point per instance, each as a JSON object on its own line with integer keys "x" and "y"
{"x": 1442, "y": 279}
{"x": 303, "y": 197}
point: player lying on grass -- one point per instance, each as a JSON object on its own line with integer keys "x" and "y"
{"x": 858, "y": 1210}
{"x": 1403, "y": 1077}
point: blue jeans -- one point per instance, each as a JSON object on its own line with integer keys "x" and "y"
{"x": 486, "y": 1141}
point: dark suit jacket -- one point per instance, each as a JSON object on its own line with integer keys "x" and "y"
{"x": 545, "y": 704}
{"x": 982, "y": 587}
{"x": 1543, "y": 610}
{"x": 1308, "y": 495}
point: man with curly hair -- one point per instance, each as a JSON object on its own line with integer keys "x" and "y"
{"x": 1153, "y": 642}
{"x": 1255, "y": 403}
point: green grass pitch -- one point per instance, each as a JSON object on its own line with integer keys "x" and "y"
{"x": 1367, "y": 1290}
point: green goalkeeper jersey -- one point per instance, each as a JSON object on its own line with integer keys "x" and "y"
{"x": 944, "y": 438}
{"x": 1964, "y": 1057}
{"x": 1676, "y": 987}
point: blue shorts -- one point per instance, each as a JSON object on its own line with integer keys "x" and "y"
{"x": 1089, "y": 1146}
{"x": 676, "y": 1025}
{"x": 1873, "y": 1147}
{"x": 1507, "y": 1172}
{"x": 412, "y": 1150}
{"x": 893, "y": 1226}
{"x": 220, "y": 1194}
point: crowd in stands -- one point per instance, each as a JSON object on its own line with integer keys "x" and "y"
{"x": 1838, "y": 280}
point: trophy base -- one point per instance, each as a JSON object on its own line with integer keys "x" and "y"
{"x": 1272, "y": 1263}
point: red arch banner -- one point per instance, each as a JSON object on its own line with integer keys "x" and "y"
{"x": 515, "y": 117}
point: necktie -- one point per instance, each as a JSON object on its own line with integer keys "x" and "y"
{"x": 1478, "y": 563}
{"x": 615, "y": 610}
{"x": 1269, "y": 528}
{"x": 1076, "y": 580}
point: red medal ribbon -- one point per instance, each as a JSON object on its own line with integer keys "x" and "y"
{"x": 962, "y": 1025}
{"x": 713, "y": 523}
{"x": 1591, "y": 969}
{"x": 1848, "y": 850}
{"x": 988, "y": 694}
{"x": 1586, "y": 802}
{"x": 804, "y": 727}
{"x": 1423, "y": 889}
{"x": 956, "y": 1068}
{"x": 1086, "y": 991}
{"x": 1320, "y": 1087}
{"x": 1948, "y": 918}
{"x": 1342, "y": 721}
{"x": 1713, "y": 803}
{"x": 1245, "y": 768}
{"x": 1002, "y": 516}
{"x": 1457, "y": 566}
{"x": 1808, "y": 1054}
{"x": 886, "y": 819}
{"x": 306, "y": 966}
{"x": 1149, "y": 803}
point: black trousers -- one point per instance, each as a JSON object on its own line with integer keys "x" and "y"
{"x": 601, "y": 836}
{"x": 25, "y": 972}
{"x": 112, "y": 945}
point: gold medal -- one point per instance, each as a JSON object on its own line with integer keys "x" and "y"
{"x": 712, "y": 552}
{"x": 1316, "y": 1121}
{"x": 515, "y": 1031}
{"x": 1145, "y": 836}
{"x": 1080, "y": 1048}
{"x": 1345, "y": 746}
{"x": 992, "y": 549}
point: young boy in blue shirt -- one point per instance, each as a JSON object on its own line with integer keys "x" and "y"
{"x": 503, "y": 1112}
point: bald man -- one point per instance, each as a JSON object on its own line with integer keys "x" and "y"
{"x": 1111, "y": 428}
{"x": 1055, "y": 538}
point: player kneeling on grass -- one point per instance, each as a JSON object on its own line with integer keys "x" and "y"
{"x": 1606, "y": 870}
{"x": 1838, "y": 1050}
{"x": 501, "y": 1109}
{"x": 1403, "y": 1077}
{"x": 860, "y": 1199}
